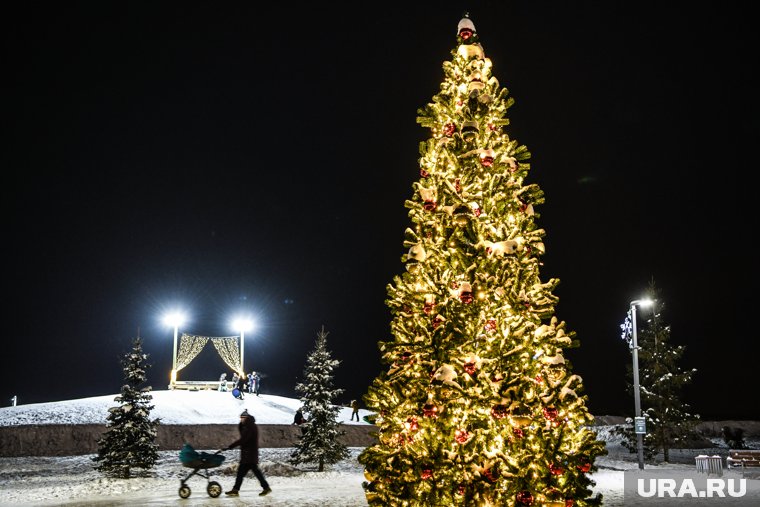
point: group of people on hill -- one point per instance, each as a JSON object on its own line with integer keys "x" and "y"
{"x": 240, "y": 384}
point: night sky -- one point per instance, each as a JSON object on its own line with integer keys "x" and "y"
{"x": 236, "y": 157}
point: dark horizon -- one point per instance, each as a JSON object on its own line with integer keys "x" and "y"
{"x": 257, "y": 158}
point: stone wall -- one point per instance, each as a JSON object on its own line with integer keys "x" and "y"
{"x": 77, "y": 439}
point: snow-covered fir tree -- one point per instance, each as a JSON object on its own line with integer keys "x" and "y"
{"x": 478, "y": 406}
{"x": 129, "y": 441}
{"x": 669, "y": 421}
{"x": 319, "y": 442}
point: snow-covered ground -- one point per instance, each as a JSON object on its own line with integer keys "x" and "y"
{"x": 71, "y": 480}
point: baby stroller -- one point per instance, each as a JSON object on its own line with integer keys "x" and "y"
{"x": 199, "y": 461}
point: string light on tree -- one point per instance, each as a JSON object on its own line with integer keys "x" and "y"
{"x": 487, "y": 412}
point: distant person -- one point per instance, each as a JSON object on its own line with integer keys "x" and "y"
{"x": 249, "y": 454}
{"x": 299, "y": 419}
{"x": 355, "y": 407}
{"x": 256, "y": 383}
{"x": 234, "y": 381}
{"x": 223, "y": 382}
{"x": 251, "y": 384}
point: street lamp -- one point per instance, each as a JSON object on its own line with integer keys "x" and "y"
{"x": 174, "y": 320}
{"x": 639, "y": 425}
{"x": 242, "y": 324}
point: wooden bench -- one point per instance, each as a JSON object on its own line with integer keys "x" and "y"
{"x": 196, "y": 385}
{"x": 743, "y": 458}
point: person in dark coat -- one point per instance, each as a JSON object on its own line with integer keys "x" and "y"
{"x": 241, "y": 386}
{"x": 249, "y": 454}
{"x": 300, "y": 420}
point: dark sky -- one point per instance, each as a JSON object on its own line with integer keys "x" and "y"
{"x": 238, "y": 156}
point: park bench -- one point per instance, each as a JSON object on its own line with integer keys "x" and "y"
{"x": 196, "y": 385}
{"x": 743, "y": 458}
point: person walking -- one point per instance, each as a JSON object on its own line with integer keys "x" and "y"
{"x": 355, "y": 406}
{"x": 251, "y": 384}
{"x": 249, "y": 454}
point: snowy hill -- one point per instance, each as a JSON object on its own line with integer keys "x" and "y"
{"x": 172, "y": 407}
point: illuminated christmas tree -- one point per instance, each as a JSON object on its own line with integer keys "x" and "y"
{"x": 478, "y": 406}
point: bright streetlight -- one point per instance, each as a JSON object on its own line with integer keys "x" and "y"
{"x": 638, "y": 424}
{"x": 174, "y": 320}
{"x": 242, "y": 324}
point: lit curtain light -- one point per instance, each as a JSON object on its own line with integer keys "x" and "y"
{"x": 189, "y": 347}
{"x": 227, "y": 346}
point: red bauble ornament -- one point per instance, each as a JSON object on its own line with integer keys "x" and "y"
{"x": 499, "y": 411}
{"x": 465, "y": 33}
{"x": 490, "y": 325}
{"x": 585, "y": 467}
{"x": 427, "y": 473}
{"x": 412, "y": 423}
{"x": 556, "y": 469}
{"x": 524, "y": 498}
{"x": 429, "y": 206}
{"x": 437, "y": 321}
{"x": 449, "y": 129}
{"x": 424, "y": 173}
{"x": 430, "y": 410}
{"x": 477, "y": 211}
{"x": 486, "y": 161}
{"x": 461, "y": 490}
{"x": 428, "y": 307}
{"x": 518, "y": 432}
{"x": 550, "y": 413}
{"x": 465, "y": 294}
{"x": 539, "y": 379}
{"x": 569, "y": 502}
{"x": 470, "y": 368}
{"x": 461, "y": 436}
{"x": 457, "y": 185}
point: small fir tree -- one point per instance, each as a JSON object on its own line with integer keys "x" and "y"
{"x": 318, "y": 442}
{"x": 669, "y": 423}
{"x": 129, "y": 441}
{"x": 479, "y": 405}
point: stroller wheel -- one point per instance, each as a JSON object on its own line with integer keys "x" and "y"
{"x": 184, "y": 491}
{"x": 214, "y": 489}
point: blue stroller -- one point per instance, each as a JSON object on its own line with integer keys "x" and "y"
{"x": 199, "y": 461}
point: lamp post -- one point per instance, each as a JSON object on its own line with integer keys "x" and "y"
{"x": 639, "y": 425}
{"x": 242, "y": 325}
{"x": 174, "y": 320}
